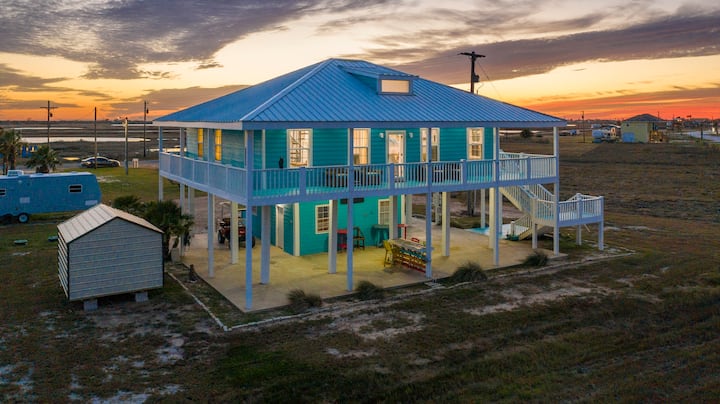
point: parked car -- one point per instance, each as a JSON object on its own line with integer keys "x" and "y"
{"x": 101, "y": 162}
{"x": 224, "y": 232}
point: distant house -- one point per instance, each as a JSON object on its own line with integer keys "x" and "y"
{"x": 104, "y": 251}
{"x": 341, "y": 146}
{"x": 642, "y": 129}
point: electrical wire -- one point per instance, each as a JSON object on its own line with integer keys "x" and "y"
{"x": 490, "y": 81}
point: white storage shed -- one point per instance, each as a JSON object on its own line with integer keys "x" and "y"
{"x": 105, "y": 251}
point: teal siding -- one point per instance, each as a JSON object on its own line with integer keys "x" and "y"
{"x": 453, "y": 144}
{"x": 378, "y": 152}
{"x": 412, "y": 145}
{"x": 191, "y": 142}
{"x": 233, "y": 145}
{"x": 488, "y": 144}
{"x": 288, "y": 239}
{"x": 275, "y": 148}
{"x": 365, "y": 216}
{"x": 329, "y": 147}
{"x": 257, "y": 149}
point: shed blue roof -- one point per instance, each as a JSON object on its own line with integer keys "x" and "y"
{"x": 337, "y": 93}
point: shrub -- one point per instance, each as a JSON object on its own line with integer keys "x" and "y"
{"x": 300, "y": 301}
{"x": 536, "y": 259}
{"x": 468, "y": 272}
{"x": 526, "y": 133}
{"x": 369, "y": 291}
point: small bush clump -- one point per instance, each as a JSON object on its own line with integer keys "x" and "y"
{"x": 301, "y": 301}
{"x": 536, "y": 259}
{"x": 369, "y": 291}
{"x": 468, "y": 272}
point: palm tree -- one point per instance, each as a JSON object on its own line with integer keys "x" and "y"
{"x": 44, "y": 159}
{"x": 10, "y": 145}
{"x": 168, "y": 217}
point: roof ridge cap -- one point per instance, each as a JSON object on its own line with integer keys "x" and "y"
{"x": 250, "y": 115}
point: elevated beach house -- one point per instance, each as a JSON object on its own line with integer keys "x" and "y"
{"x": 344, "y": 144}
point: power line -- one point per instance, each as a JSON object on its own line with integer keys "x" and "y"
{"x": 490, "y": 81}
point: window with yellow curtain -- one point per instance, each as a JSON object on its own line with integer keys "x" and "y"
{"x": 218, "y": 145}
{"x": 200, "y": 143}
{"x": 361, "y": 143}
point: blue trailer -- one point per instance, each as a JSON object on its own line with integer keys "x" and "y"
{"x": 24, "y": 194}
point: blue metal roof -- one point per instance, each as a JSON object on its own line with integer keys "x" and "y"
{"x": 338, "y": 93}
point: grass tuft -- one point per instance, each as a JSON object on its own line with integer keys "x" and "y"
{"x": 369, "y": 291}
{"x": 469, "y": 272}
{"x": 301, "y": 301}
{"x": 536, "y": 259}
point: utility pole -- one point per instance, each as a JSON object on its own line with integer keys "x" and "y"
{"x": 125, "y": 125}
{"x": 145, "y": 111}
{"x": 49, "y": 115}
{"x": 474, "y": 78}
{"x": 95, "y": 133}
{"x": 582, "y": 125}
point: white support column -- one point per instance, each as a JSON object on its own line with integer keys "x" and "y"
{"x": 211, "y": 234}
{"x": 332, "y": 236}
{"x": 392, "y": 226}
{"x": 191, "y": 201}
{"x": 428, "y": 207}
{"x": 497, "y": 225}
{"x": 183, "y": 210}
{"x": 350, "y": 223}
{"x": 234, "y": 223}
{"x": 601, "y": 226}
{"x": 491, "y": 230}
{"x": 296, "y": 229}
{"x": 483, "y": 209}
{"x": 578, "y": 234}
{"x": 408, "y": 209}
{"x": 349, "y": 243}
{"x": 445, "y": 225}
{"x": 249, "y": 166}
{"x": 265, "y": 245}
{"x": 161, "y": 193}
{"x": 497, "y": 201}
{"x": 556, "y": 196}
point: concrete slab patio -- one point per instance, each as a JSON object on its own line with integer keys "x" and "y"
{"x": 310, "y": 273}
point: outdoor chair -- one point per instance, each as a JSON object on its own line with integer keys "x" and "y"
{"x": 358, "y": 238}
{"x": 389, "y": 260}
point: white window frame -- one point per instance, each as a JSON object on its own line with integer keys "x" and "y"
{"x": 384, "y": 211}
{"x": 305, "y": 150}
{"x": 435, "y": 137}
{"x": 471, "y": 143}
{"x": 365, "y": 148}
{"x": 322, "y": 221}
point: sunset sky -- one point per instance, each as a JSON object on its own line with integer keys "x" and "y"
{"x": 611, "y": 59}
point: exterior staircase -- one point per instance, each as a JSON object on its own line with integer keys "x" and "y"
{"x": 538, "y": 206}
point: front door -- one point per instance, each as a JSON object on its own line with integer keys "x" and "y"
{"x": 396, "y": 151}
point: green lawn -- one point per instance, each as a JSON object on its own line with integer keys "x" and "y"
{"x": 640, "y": 328}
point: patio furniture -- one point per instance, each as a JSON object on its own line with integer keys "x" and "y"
{"x": 358, "y": 238}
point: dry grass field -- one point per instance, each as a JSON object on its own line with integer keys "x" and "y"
{"x": 642, "y": 327}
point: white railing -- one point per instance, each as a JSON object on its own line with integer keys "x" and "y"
{"x": 373, "y": 179}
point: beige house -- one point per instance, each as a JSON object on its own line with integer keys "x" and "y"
{"x": 642, "y": 129}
